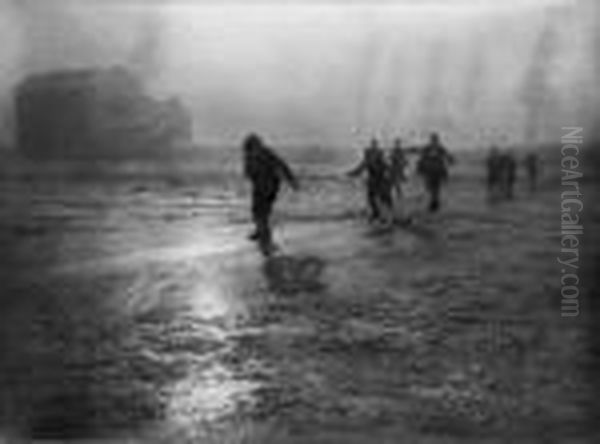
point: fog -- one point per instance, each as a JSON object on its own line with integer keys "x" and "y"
{"x": 334, "y": 73}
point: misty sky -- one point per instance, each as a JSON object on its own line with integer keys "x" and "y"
{"x": 330, "y": 72}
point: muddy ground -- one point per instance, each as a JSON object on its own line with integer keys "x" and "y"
{"x": 135, "y": 310}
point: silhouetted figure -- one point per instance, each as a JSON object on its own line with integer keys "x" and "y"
{"x": 265, "y": 170}
{"x": 508, "y": 168}
{"x": 433, "y": 167}
{"x": 398, "y": 164}
{"x": 379, "y": 186}
{"x": 531, "y": 164}
{"x": 494, "y": 171}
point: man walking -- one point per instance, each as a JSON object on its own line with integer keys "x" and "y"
{"x": 398, "y": 164}
{"x": 531, "y": 164}
{"x": 379, "y": 196}
{"x": 265, "y": 170}
{"x": 433, "y": 167}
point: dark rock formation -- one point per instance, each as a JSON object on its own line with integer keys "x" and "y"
{"x": 96, "y": 114}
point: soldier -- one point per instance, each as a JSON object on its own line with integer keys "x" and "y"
{"x": 508, "y": 168}
{"x": 494, "y": 173}
{"x": 398, "y": 165}
{"x": 378, "y": 181}
{"x": 531, "y": 163}
{"x": 265, "y": 170}
{"x": 433, "y": 167}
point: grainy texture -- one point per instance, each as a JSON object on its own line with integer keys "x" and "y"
{"x": 134, "y": 308}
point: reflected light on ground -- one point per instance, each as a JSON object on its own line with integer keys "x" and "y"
{"x": 208, "y": 396}
{"x": 211, "y": 300}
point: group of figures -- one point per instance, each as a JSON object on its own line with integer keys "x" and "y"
{"x": 502, "y": 172}
{"x": 385, "y": 175}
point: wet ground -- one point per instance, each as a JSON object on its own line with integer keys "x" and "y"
{"x": 136, "y": 311}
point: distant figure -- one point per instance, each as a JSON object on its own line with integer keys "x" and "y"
{"x": 398, "y": 164}
{"x": 265, "y": 170}
{"x": 379, "y": 196}
{"x": 494, "y": 171}
{"x": 433, "y": 167}
{"x": 508, "y": 168}
{"x": 531, "y": 164}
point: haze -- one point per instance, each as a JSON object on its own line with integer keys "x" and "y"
{"x": 332, "y": 73}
